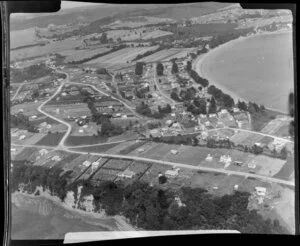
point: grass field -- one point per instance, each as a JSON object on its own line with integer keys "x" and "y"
{"x": 28, "y": 153}
{"x": 122, "y": 56}
{"x": 287, "y": 170}
{"x": 131, "y": 147}
{"x": 96, "y": 149}
{"x": 240, "y": 137}
{"x": 167, "y": 54}
{"x": 78, "y": 55}
{"x": 22, "y": 38}
{"x": 84, "y": 140}
{"x": 52, "y": 139}
{"x": 158, "y": 151}
{"x": 55, "y": 47}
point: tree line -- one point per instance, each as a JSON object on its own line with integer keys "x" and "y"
{"x": 152, "y": 207}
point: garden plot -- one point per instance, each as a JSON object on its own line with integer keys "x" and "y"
{"x": 167, "y": 54}
{"x": 151, "y": 176}
{"x": 122, "y": 56}
{"x": 36, "y": 137}
{"x": 117, "y": 164}
{"x": 104, "y": 174}
{"x": 138, "y": 167}
{"x": 51, "y": 139}
{"x": 132, "y": 147}
{"x": 266, "y": 140}
{"x": 252, "y": 139}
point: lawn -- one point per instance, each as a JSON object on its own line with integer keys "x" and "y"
{"x": 51, "y": 139}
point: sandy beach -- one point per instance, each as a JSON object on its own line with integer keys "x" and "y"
{"x": 199, "y": 65}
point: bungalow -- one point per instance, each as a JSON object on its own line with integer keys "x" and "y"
{"x": 86, "y": 163}
{"x": 172, "y": 173}
{"x": 174, "y": 152}
{"x": 209, "y": 157}
{"x": 261, "y": 191}
{"x": 126, "y": 174}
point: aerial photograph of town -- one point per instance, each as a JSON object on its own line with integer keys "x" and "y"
{"x": 132, "y": 117}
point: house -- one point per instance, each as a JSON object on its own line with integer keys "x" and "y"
{"x": 238, "y": 163}
{"x": 225, "y": 159}
{"x": 252, "y": 164}
{"x": 141, "y": 150}
{"x": 22, "y": 137}
{"x": 209, "y": 157}
{"x": 235, "y": 187}
{"x": 56, "y": 158}
{"x": 86, "y": 163}
{"x": 261, "y": 191}
{"x": 95, "y": 165}
{"x": 179, "y": 202}
{"x": 174, "y": 152}
{"x": 126, "y": 174}
{"x": 172, "y": 173}
{"x": 43, "y": 152}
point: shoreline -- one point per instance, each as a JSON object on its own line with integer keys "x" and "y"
{"x": 87, "y": 217}
{"x": 198, "y": 66}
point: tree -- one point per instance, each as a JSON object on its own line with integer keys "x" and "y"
{"x": 212, "y": 106}
{"x": 283, "y": 153}
{"x": 139, "y": 68}
{"x": 188, "y": 66}
{"x": 174, "y": 68}
{"x": 103, "y": 38}
{"x": 159, "y": 69}
{"x": 175, "y": 97}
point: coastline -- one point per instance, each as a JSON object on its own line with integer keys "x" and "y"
{"x": 198, "y": 65}
{"x": 92, "y": 218}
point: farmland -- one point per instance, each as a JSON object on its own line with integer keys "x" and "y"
{"x": 168, "y": 54}
{"x": 119, "y": 58}
{"x": 22, "y": 38}
{"x": 78, "y": 55}
{"x": 84, "y": 140}
{"x": 51, "y": 48}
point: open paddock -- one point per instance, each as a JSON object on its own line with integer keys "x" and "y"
{"x": 167, "y": 54}
{"x": 84, "y": 140}
{"x": 252, "y": 139}
{"x": 118, "y": 148}
{"x": 266, "y": 140}
{"x": 132, "y": 147}
{"x": 51, "y": 48}
{"x": 268, "y": 166}
{"x": 79, "y": 55}
{"x": 64, "y": 110}
{"x": 223, "y": 133}
{"x": 96, "y": 149}
{"x": 159, "y": 150}
{"x": 287, "y": 170}
{"x": 33, "y": 139}
{"x": 123, "y": 56}
{"x": 189, "y": 155}
{"x": 20, "y": 38}
{"x": 29, "y": 108}
{"x": 105, "y": 174}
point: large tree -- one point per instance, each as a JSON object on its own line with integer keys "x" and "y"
{"x": 174, "y": 68}
{"x": 139, "y": 68}
{"x": 159, "y": 69}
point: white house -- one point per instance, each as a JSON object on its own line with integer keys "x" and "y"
{"x": 126, "y": 174}
{"x": 43, "y": 152}
{"x": 252, "y": 164}
{"x": 209, "y": 157}
{"x": 22, "y": 137}
{"x": 141, "y": 150}
{"x": 86, "y": 163}
{"x": 261, "y": 191}
{"x": 172, "y": 173}
{"x": 174, "y": 151}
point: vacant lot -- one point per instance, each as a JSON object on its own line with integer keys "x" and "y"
{"x": 158, "y": 150}
{"x": 117, "y": 164}
{"x": 51, "y": 139}
{"x": 132, "y": 147}
{"x": 28, "y": 153}
{"x": 240, "y": 137}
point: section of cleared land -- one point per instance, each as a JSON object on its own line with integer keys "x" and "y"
{"x": 120, "y": 57}
{"x": 168, "y": 54}
{"x": 78, "y": 55}
{"x": 96, "y": 149}
{"x": 52, "y": 139}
